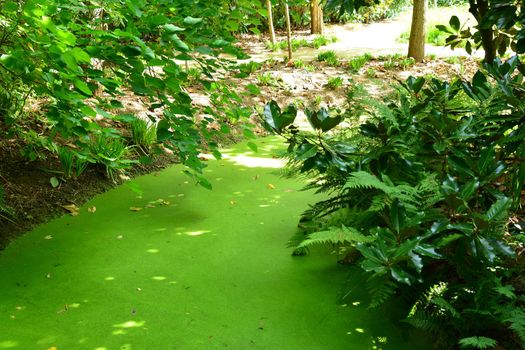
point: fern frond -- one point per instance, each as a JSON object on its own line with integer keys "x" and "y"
{"x": 381, "y": 288}
{"x": 432, "y": 312}
{"x": 328, "y": 206}
{"x": 516, "y": 319}
{"x": 426, "y": 321}
{"x": 335, "y": 235}
{"x": 379, "y": 203}
{"x": 478, "y": 342}
{"x": 364, "y": 180}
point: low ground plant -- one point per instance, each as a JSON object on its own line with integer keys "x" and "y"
{"x": 143, "y": 135}
{"x": 267, "y": 79}
{"x": 334, "y": 83}
{"x": 110, "y": 152}
{"x": 329, "y": 57}
{"x": 358, "y": 62}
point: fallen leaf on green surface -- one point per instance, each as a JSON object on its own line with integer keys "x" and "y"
{"x": 135, "y": 208}
{"x": 270, "y": 187}
{"x": 54, "y": 182}
{"x": 48, "y": 237}
{"x": 92, "y": 210}
{"x": 72, "y": 209}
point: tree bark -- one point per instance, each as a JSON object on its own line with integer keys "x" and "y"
{"x": 270, "y": 21}
{"x": 479, "y": 10}
{"x": 316, "y": 15}
{"x": 288, "y": 30}
{"x": 416, "y": 44}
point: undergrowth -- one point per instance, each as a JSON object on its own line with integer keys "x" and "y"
{"x": 426, "y": 198}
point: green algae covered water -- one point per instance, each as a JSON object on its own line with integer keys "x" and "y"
{"x": 192, "y": 269}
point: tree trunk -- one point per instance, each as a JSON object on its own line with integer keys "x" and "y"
{"x": 416, "y": 43}
{"x": 288, "y": 30}
{"x": 479, "y": 10}
{"x": 316, "y": 15}
{"x": 270, "y": 21}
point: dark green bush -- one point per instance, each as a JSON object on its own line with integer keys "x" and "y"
{"x": 422, "y": 197}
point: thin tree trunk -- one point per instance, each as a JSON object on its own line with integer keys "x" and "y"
{"x": 479, "y": 10}
{"x": 316, "y": 15}
{"x": 270, "y": 21}
{"x": 288, "y": 30}
{"x": 416, "y": 44}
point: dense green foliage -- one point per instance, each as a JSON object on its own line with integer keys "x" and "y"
{"x": 67, "y": 65}
{"x": 422, "y": 198}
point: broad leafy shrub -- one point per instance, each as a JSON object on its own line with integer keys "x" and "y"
{"x": 75, "y": 60}
{"x": 421, "y": 198}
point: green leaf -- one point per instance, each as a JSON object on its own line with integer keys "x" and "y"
{"x": 305, "y": 151}
{"x": 171, "y": 28}
{"x": 460, "y": 166}
{"x": 443, "y": 28}
{"x": 398, "y": 215}
{"x": 80, "y": 55}
{"x": 277, "y": 120}
{"x": 487, "y": 157}
{"x": 252, "y": 146}
{"x": 427, "y": 250}
{"x": 405, "y": 248}
{"x": 82, "y": 86}
{"x": 400, "y": 275}
{"x": 454, "y": 23}
{"x": 498, "y": 210}
{"x": 416, "y": 261}
{"x": 192, "y": 20}
{"x": 253, "y": 89}
{"x": 486, "y": 248}
{"x": 67, "y": 37}
{"x": 131, "y": 51}
{"x": 134, "y": 7}
{"x": 163, "y": 132}
{"x": 54, "y": 182}
{"x": 321, "y": 119}
{"x": 179, "y": 44}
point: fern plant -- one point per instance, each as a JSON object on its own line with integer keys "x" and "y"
{"x": 423, "y": 197}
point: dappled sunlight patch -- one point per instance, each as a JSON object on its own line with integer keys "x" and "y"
{"x": 153, "y": 251}
{"x": 195, "y": 233}
{"x": 8, "y": 344}
{"x": 158, "y": 278}
{"x": 109, "y": 278}
{"x": 123, "y": 328}
{"x": 255, "y": 162}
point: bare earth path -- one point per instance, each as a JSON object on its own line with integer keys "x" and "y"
{"x": 376, "y": 38}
